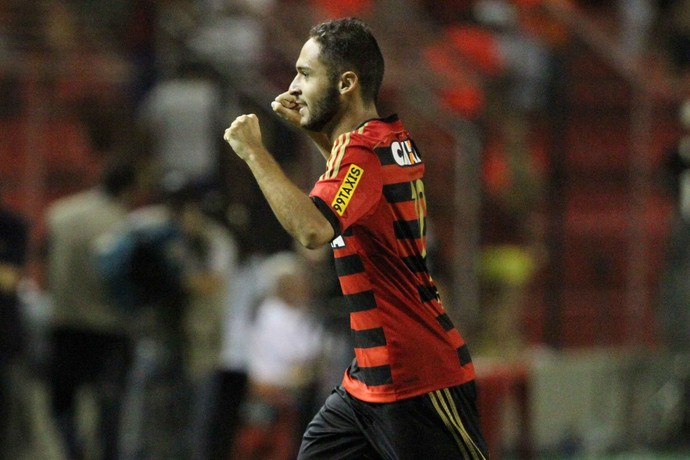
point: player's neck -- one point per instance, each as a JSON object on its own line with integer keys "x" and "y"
{"x": 351, "y": 119}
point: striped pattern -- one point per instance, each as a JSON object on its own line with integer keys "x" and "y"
{"x": 449, "y": 414}
{"x": 404, "y": 342}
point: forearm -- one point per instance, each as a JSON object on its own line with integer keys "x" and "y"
{"x": 292, "y": 207}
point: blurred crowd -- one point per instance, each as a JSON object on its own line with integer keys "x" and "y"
{"x": 143, "y": 315}
{"x": 154, "y": 336}
{"x": 153, "y": 309}
{"x": 148, "y": 328}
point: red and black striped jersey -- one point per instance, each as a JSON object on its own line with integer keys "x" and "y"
{"x": 373, "y": 194}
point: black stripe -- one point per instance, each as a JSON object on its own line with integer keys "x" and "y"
{"x": 427, "y": 293}
{"x": 369, "y": 338}
{"x": 385, "y": 155}
{"x": 361, "y": 301}
{"x": 406, "y": 229}
{"x": 445, "y": 322}
{"x": 348, "y": 265}
{"x": 464, "y": 355}
{"x": 328, "y": 214}
{"x": 396, "y": 193}
{"x": 373, "y": 376}
{"x": 416, "y": 263}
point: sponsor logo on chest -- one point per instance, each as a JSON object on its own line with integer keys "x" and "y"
{"x": 404, "y": 153}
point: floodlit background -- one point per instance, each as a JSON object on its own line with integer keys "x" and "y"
{"x": 556, "y": 145}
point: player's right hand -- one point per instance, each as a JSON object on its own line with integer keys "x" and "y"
{"x": 244, "y": 136}
{"x": 285, "y": 105}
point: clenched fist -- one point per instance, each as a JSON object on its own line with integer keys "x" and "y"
{"x": 244, "y": 136}
{"x": 286, "y": 106}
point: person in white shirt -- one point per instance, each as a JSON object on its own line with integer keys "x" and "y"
{"x": 286, "y": 343}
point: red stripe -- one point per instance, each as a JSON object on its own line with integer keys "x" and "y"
{"x": 372, "y": 357}
{"x": 352, "y": 284}
{"x": 362, "y": 320}
{"x": 455, "y": 338}
{"x": 406, "y": 210}
{"x": 394, "y": 173}
{"x": 380, "y": 393}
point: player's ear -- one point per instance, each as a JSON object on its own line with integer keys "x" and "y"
{"x": 348, "y": 81}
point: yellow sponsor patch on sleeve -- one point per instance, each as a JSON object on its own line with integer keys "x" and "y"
{"x": 347, "y": 189}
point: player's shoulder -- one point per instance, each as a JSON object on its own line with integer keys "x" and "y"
{"x": 388, "y": 139}
{"x": 374, "y": 133}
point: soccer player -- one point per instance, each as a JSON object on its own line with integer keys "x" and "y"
{"x": 409, "y": 393}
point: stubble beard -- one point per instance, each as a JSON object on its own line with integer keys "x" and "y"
{"x": 323, "y": 110}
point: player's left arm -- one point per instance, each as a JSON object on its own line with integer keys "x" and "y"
{"x": 292, "y": 207}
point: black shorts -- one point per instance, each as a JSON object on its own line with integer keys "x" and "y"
{"x": 440, "y": 425}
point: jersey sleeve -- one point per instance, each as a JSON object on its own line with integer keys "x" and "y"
{"x": 350, "y": 188}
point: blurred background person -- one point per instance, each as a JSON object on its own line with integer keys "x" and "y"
{"x": 89, "y": 341}
{"x": 141, "y": 263}
{"x": 244, "y": 294}
{"x": 210, "y": 269}
{"x": 283, "y": 364}
{"x": 169, "y": 264}
{"x": 179, "y": 117}
{"x": 14, "y": 238}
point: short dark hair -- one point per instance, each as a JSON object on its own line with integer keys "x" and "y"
{"x": 348, "y": 44}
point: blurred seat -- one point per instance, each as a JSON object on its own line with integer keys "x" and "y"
{"x": 499, "y": 385}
